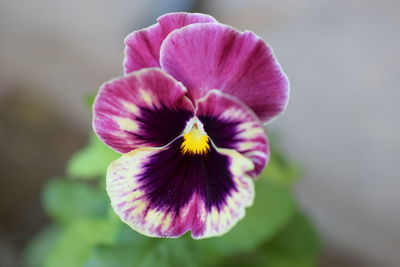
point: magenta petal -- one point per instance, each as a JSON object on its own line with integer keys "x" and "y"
{"x": 215, "y": 56}
{"x": 145, "y": 108}
{"x": 143, "y": 47}
{"x": 231, "y": 124}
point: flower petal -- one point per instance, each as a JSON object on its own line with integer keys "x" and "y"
{"x": 231, "y": 124}
{"x": 215, "y": 56}
{"x": 164, "y": 192}
{"x": 143, "y": 47}
{"x": 145, "y": 108}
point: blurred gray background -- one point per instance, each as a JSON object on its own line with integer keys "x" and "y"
{"x": 342, "y": 123}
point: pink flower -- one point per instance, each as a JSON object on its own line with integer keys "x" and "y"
{"x": 189, "y": 117}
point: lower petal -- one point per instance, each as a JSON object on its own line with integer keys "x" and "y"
{"x": 164, "y": 192}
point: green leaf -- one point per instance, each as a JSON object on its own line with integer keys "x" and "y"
{"x": 67, "y": 201}
{"x": 89, "y": 100}
{"x": 297, "y": 245}
{"x": 76, "y": 241}
{"x": 280, "y": 170}
{"x": 169, "y": 253}
{"x": 129, "y": 248}
{"x": 273, "y": 208}
{"x": 134, "y": 249}
{"x": 113, "y": 256}
{"x": 92, "y": 161}
{"x": 127, "y": 236}
{"x": 37, "y": 250}
{"x": 147, "y": 253}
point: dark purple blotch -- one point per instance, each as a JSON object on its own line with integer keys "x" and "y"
{"x": 224, "y": 133}
{"x": 170, "y": 178}
{"x": 161, "y": 125}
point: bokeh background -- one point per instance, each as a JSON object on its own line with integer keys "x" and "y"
{"x": 342, "y": 123}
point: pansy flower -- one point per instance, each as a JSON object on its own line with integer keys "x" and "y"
{"x": 188, "y": 117}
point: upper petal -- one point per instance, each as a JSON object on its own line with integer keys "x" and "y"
{"x": 166, "y": 192}
{"x": 142, "y": 48}
{"x": 215, "y": 56}
{"x": 231, "y": 124}
{"x": 145, "y": 108}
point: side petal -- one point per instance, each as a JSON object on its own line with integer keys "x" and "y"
{"x": 142, "y": 48}
{"x": 163, "y": 192}
{"x": 231, "y": 124}
{"x": 145, "y": 108}
{"x": 215, "y": 56}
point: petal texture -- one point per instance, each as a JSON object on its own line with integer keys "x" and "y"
{"x": 231, "y": 124}
{"x": 145, "y": 108}
{"x": 214, "y": 56}
{"x": 142, "y": 48}
{"x": 163, "y": 192}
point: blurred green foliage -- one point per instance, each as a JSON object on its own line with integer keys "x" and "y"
{"x": 92, "y": 161}
{"x": 86, "y": 232}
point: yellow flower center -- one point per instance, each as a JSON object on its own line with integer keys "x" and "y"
{"x": 195, "y": 141}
